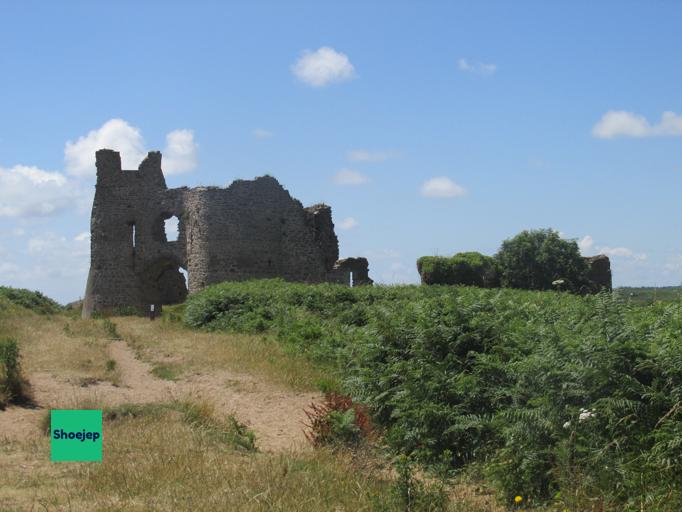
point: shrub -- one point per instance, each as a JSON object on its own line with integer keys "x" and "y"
{"x": 110, "y": 329}
{"x": 337, "y": 421}
{"x": 32, "y": 300}
{"x": 13, "y": 386}
{"x": 534, "y": 260}
{"x": 464, "y": 268}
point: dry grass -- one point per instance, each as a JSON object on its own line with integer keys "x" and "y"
{"x": 74, "y": 349}
{"x": 161, "y": 461}
{"x": 168, "y": 344}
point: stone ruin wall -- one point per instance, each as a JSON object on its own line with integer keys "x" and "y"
{"x": 249, "y": 230}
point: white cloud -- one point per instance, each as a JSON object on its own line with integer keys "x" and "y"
{"x": 10, "y": 270}
{"x": 115, "y": 134}
{"x": 585, "y": 244}
{"x": 477, "y": 68}
{"x": 622, "y": 252}
{"x": 347, "y": 223}
{"x": 442, "y": 187}
{"x": 18, "y": 231}
{"x": 350, "y": 177}
{"x": 31, "y": 192}
{"x": 589, "y": 248}
{"x": 45, "y": 243}
{"x": 261, "y": 133}
{"x": 673, "y": 263}
{"x": 382, "y": 254}
{"x": 53, "y": 263}
{"x": 364, "y": 155}
{"x": 180, "y": 154}
{"x": 398, "y": 273}
{"x": 619, "y": 123}
{"x": 322, "y": 67}
{"x": 58, "y": 257}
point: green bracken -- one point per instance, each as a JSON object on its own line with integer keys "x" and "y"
{"x": 552, "y": 396}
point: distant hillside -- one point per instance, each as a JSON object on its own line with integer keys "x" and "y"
{"x": 649, "y": 295}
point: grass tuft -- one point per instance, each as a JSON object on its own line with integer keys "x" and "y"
{"x": 166, "y": 371}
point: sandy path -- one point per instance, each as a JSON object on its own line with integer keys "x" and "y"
{"x": 274, "y": 414}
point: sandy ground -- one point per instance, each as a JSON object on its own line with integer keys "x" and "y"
{"x": 274, "y": 414}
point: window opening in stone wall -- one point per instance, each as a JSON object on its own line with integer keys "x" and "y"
{"x": 132, "y": 233}
{"x": 185, "y": 274}
{"x": 171, "y": 228}
{"x": 351, "y": 279}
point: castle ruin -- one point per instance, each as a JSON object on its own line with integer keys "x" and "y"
{"x": 250, "y": 230}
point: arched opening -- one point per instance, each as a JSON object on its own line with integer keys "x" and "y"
{"x": 164, "y": 282}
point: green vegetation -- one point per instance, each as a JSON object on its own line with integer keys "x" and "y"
{"x": 110, "y": 329}
{"x": 534, "y": 260}
{"x": 13, "y": 386}
{"x": 464, "y": 268}
{"x": 197, "y": 414}
{"x": 166, "y": 371}
{"x": 180, "y": 455}
{"x": 551, "y": 396}
{"x": 34, "y": 301}
{"x": 337, "y": 422}
{"x": 649, "y": 295}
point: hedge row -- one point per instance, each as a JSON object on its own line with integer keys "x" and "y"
{"x": 532, "y": 260}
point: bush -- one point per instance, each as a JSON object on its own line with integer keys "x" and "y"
{"x": 337, "y": 421}
{"x": 534, "y": 260}
{"x": 544, "y": 392}
{"x": 464, "y": 268}
{"x": 34, "y": 301}
{"x": 13, "y": 386}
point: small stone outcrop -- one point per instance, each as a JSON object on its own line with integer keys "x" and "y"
{"x": 352, "y": 270}
{"x": 599, "y": 273}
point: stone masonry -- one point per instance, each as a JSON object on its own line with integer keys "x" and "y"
{"x": 250, "y": 230}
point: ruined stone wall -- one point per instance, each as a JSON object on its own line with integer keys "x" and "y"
{"x": 251, "y": 229}
{"x": 353, "y": 271}
{"x": 599, "y": 273}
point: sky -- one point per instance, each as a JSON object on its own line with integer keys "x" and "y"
{"x": 429, "y": 127}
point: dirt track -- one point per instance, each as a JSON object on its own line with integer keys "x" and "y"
{"x": 274, "y": 414}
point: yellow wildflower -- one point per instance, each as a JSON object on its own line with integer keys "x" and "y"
{"x": 518, "y": 499}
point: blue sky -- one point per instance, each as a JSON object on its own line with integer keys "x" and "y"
{"x": 430, "y": 127}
